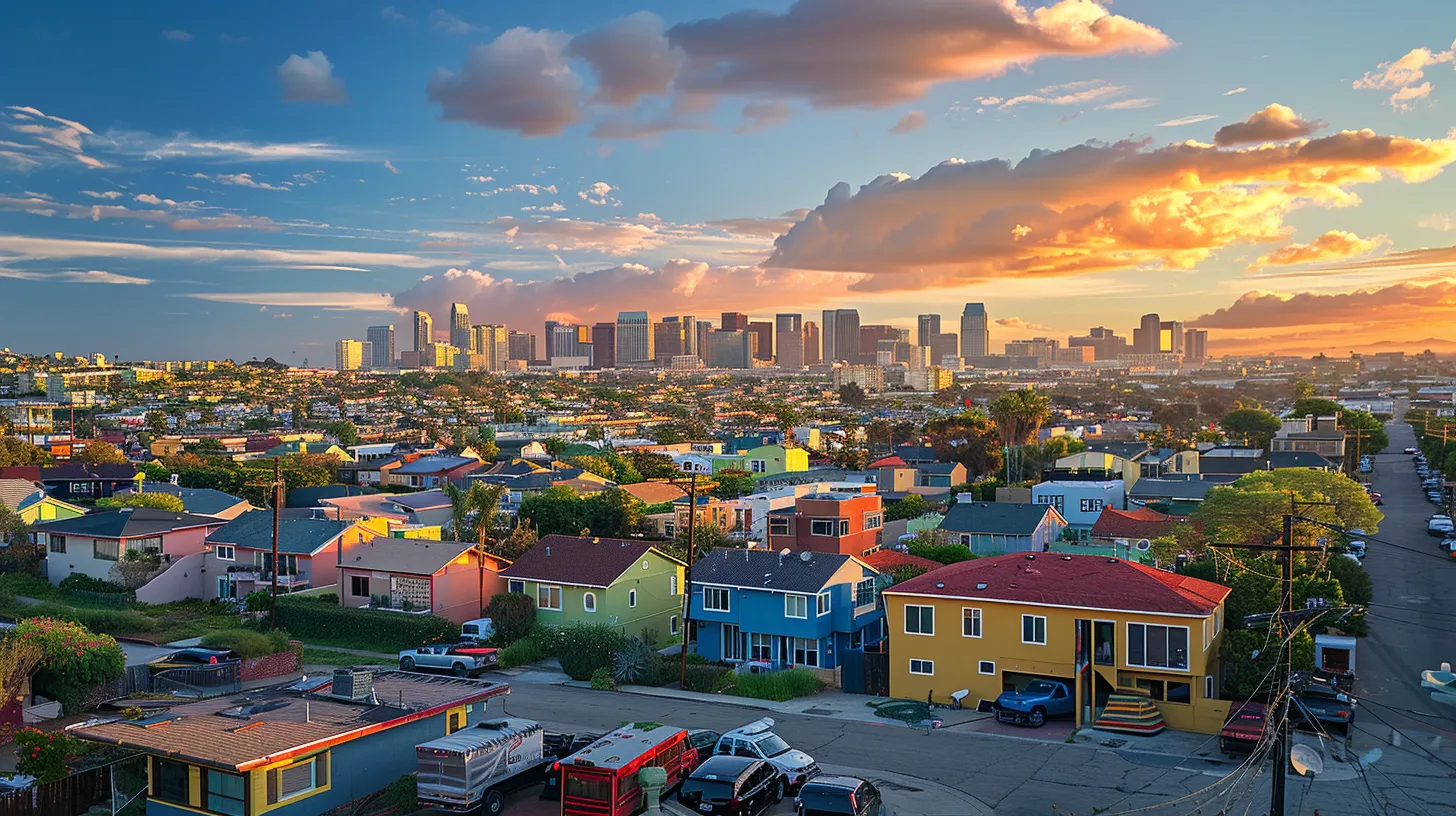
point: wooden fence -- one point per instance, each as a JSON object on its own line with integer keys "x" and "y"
{"x": 71, "y": 796}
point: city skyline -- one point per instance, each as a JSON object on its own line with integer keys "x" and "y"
{"x": 342, "y": 169}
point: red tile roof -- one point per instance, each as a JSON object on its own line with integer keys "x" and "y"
{"x": 654, "y": 492}
{"x": 1137, "y": 523}
{"x": 577, "y": 560}
{"x": 888, "y": 461}
{"x": 1088, "y": 581}
{"x": 891, "y": 560}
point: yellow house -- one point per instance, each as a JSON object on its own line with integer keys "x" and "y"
{"x": 1101, "y": 460}
{"x": 1099, "y": 624}
{"x": 33, "y": 504}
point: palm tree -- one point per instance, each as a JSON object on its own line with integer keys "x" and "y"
{"x": 473, "y": 517}
{"x": 1019, "y": 416}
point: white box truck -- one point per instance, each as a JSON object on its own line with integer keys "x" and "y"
{"x": 474, "y": 767}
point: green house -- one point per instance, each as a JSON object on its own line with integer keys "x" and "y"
{"x": 33, "y": 504}
{"x": 629, "y": 585}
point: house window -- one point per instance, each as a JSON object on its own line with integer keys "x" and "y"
{"x": 226, "y": 588}
{"x": 1208, "y": 690}
{"x": 778, "y": 525}
{"x": 672, "y": 585}
{"x": 548, "y": 597}
{"x": 516, "y": 585}
{"x": 1154, "y": 688}
{"x": 822, "y": 527}
{"x": 225, "y": 793}
{"x": 107, "y": 549}
{"x": 844, "y": 527}
{"x": 672, "y": 625}
{"x": 632, "y": 599}
{"x": 873, "y": 521}
{"x": 918, "y": 666}
{"x": 864, "y": 592}
{"x": 225, "y": 552}
{"x": 1180, "y": 692}
{"x": 732, "y": 642}
{"x": 715, "y": 599}
{"x": 806, "y": 652}
{"x": 80, "y": 488}
{"x": 1033, "y": 629}
{"x": 821, "y": 604}
{"x": 760, "y": 647}
{"x": 986, "y": 667}
{"x": 359, "y": 586}
{"x": 151, "y": 544}
{"x": 589, "y": 601}
{"x": 646, "y": 565}
{"x": 57, "y": 542}
{"x": 919, "y": 620}
{"x": 298, "y": 779}
{"x": 1154, "y": 646}
{"x": 796, "y": 606}
{"x": 970, "y": 622}
{"x": 757, "y": 466}
{"x": 409, "y": 590}
{"x": 1054, "y": 500}
{"x": 170, "y": 781}
{"x": 1091, "y": 505}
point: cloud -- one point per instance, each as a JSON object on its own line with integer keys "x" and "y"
{"x": 759, "y": 116}
{"x": 311, "y": 79}
{"x": 521, "y": 81}
{"x": 176, "y": 35}
{"x": 1332, "y": 246}
{"x": 560, "y": 234}
{"x": 910, "y": 122}
{"x": 185, "y": 146}
{"x": 21, "y": 247}
{"x": 1188, "y": 120}
{"x": 1400, "y": 303}
{"x": 1234, "y": 91}
{"x": 1440, "y": 221}
{"x": 598, "y": 193}
{"x": 389, "y": 165}
{"x": 391, "y": 14}
{"x": 631, "y": 58}
{"x": 652, "y": 127}
{"x": 228, "y": 221}
{"x": 1404, "y": 76}
{"x": 1017, "y": 323}
{"x": 109, "y": 194}
{"x": 73, "y": 276}
{"x": 1090, "y": 208}
{"x": 1070, "y": 93}
{"x": 1130, "y": 104}
{"x": 445, "y": 22}
{"x": 239, "y": 180}
{"x": 1276, "y": 123}
{"x": 359, "y": 301}
{"x": 529, "y": 189}
{"x": 47, "y": 139}
{"x": 148, "y": 198}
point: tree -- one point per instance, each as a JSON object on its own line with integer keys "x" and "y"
{"x": 912, "y": 506}
{"x": 344, "y": 431}
{"x": 157, "y": 422}
{"x": 512, "y": 545}
{"x": 98, "y": 452}
{"x": 852, "y": 394}
{"x": 706, "y": 536}
{"x": 19, "y": 554}
{"x": 554, "y": 445}
{"x": 513, "y": 614}
{"x": 1303, "y": 390}
{"x": 732, "y": 483}
{"x": 1254, "y": 426}
{"x": 473, "y": 512}
{"x": 880, "y": 433}
{"x": 597, "y": 465}
{"x": 1019, "y": 415}
{"x": 653, "y": 465}
{"x": 19, "y": 452}
{"x": 74, "y": 660}
{"x": 613, "y": 513}
{"x": 155, "y": 501}
{"x": 1252, "y": 508}
{"x": 968, "y": 438}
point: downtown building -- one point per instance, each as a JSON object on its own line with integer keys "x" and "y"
{"x": 381, "y": 343}
{"x": 634, "y": 339}
{"x": 460, "y": 335}
{"x": 424, "y": 332}
{"x": 790, "y": 331}
{"x": 975, "y": 331}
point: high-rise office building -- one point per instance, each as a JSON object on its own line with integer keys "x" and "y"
{"x": 366, "y": 355}
{"x": 828, "y": 352}
{"x": 1170, "y": 337}
{"x": 438, "y": 355}
{"x": 381, "y": 339}
{"x": 704, "y": 330}
{"x": 521, "y": 346}
{"x": 1145, "y": 338}
{"x": 927, "y": 326}
{"x": 348, "y": 355}
{"x": 730, "y": 349}
{"x": 975, "y": 331}
{"x": 549, "y": 338}
{"x": 460, "y": 328}
{"x": 424, "y": 331}
{"x": 735, "y": 321}
{"x": 790, "y": 331}
{"x": 763, "y": 342}
{"x": 604, "y": 345}
{"x": 690, "y": 334}
{"x": 943, "y": 345}
{"x": 846, "y": 336}
{"x": 813, "y": 354}
{"x": 1195, "y": 345}
{"x": 492, "y": 344}
{"x": 869, "y": 341}
{"x": 1104, "y": 342}
{"x": 634, "y": 338}
{"x": 570, "y": 341}
{"x": 669, "y": 340}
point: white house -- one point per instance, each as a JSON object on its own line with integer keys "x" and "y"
{"x": 1079, "y": 502}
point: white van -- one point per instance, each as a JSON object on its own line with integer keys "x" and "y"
{"x": 478, "y": 630}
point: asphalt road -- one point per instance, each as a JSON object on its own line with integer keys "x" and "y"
{"x": 1412, "y": 618}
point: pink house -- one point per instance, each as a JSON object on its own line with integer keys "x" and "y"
{"x": 240, "y": 557}
{"x": 446, "y": 578}
{"x": 93, "y": 544}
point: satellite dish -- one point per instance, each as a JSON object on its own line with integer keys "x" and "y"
{"x": 806, "y": 556}
{"x": 1306, "y": 761}
{"x": 1144, "y": 545}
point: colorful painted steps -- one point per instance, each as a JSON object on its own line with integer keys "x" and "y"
{"x": 1130, "y": 711}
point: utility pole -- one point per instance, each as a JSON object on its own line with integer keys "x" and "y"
{"x": 682, "y": 682}
{"x": 275, "y": 488}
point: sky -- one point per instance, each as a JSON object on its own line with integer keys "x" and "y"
{"x": 186, "y": 180}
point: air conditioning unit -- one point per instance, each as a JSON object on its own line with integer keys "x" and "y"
{"x": 356, "y": 685}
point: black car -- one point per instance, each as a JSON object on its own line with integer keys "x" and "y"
{"x": 734, "y": 786}
{"x": 838, "y": 796}
{"x": 701, "y": 741}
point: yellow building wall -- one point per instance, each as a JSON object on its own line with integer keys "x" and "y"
{"x": 957, "y": 658}
{"x": 49, "y": 510}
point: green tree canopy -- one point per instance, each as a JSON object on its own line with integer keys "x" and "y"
{"x": 968, "y": 438}
{"x": 344, "y": 431}
{"x": 1254, "y": 426}
{"x": 156, "y": 501}
{"x": 98, "y": 452}
{"x": 1019, "y": 415}
{"x": 732, "y": 483}
{"x": 852, "y": 394}
{"x": 912, "y": 506}
{"x": 19, "y": 452}
{"x": 1252, "y": 508}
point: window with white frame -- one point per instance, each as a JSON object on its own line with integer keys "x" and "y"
{"x": 632, "y": 598}
{"x": 844, "y": 527}
{"x": 796, "y": 606}
{"x": 821, "y": 604}
{"x": 1208, "y": 689}
{"x": 732, "y": 642}
{"x": 757, "y": 466}
{"x": 516, "y": 585}
{"x": 760, "y": 647}
{"x": 1033, "y": 629}
{"x": 107, "y": 549}
{"x": 918, "y": 666}
{"x": 823, "y": 527}
{"x": 673, "y": 624}
{"x": 919, "y": 620}
{"x": 672, "y": 584}
{"x": 548, "y": 597}
{"x": 1091, "y": 505}
{"x": 970, "y": 622}
{"x": 409, "y": 589}
{"x": 806, "y": 652}
{"x": 150, "y": 544}
{"x": 715, "y": 599}
{"x": 874, "y": 521}
{"x": 225, "y": 552}
{"x": 778, "y": 525}
{"x": 986, "y": 667}
{"x": 299, "y": 778}
{"x": 589, "y": 601}
{"x": 57, "y": 543}
{"x": 1155, "y": 646}
{"x": 80, "y": 488}
{"x": 864, "y": 592}
{"x": 1052, "y": 499}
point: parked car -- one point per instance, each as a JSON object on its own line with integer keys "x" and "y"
{"x": 440, "y": 657}
{"x": 733, "y": 785}
{"x": 1035, "y": 703}
{"x": 702, "y": 742}
{"x": 838, "y": 796}
{"x": 1243, "y": 730}
{"x": 479, "y": 630}
{"x": 758, "y": 741}
{"x": 1411, "y": 451}
{"x": 1440, "y": 526}
{"x": 1356, "y": 548}
{"x": 1376, "y": 499}
{"x": 1449, "y": 545}
{"x": 191, "y": 658}
{"x": 1322, "y": 702}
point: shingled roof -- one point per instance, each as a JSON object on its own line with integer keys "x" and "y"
{"x": 579, "y": 560}
{"x": 298, "y": 536}
{"x": 1136, "y": 523}
{"x": 762, "y": 569}
{"x": 126, "y": 523}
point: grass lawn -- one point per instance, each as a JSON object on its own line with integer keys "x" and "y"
{"x": 333, "y": 657}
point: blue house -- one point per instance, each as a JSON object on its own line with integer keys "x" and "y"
{"x": 304, "y": 749}
{"x": 803, "y": 609}
{"x": 994, "y": 528}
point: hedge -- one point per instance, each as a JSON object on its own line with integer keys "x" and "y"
{"x": 324, "y": 624}
{"x": 109, "y": 621}
{"x": 247, "y": 643}
{"x": 586, "y": 647}
{"x": 707, "y": 677}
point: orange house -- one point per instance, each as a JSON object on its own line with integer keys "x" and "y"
{"x": 446, "y": 578}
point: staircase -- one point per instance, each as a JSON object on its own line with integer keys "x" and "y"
{"x": 1130, "y": 711}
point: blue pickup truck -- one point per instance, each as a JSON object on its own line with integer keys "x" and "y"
{"x": 1033, "y": 704}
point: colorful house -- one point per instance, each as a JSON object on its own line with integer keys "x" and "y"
{"x": 430, "y": 471}
{"x": 240, "y": 556}
{"x": 33, "y": 504}
{"x": 771, "y": 460}
{"x": 298, "y": 750}
{"x": 446, "y": 578}
{"x": 992, "y": 528}
{"x": 1080, "y": 502}
{"x": 1100, "y": 624}
{"x": 846, "y": 521}
{"x": 75, "y": 481}
{"x": 815, "y": 610}
{"x": 630, "y": 585}
{"x": 93, "y": 544}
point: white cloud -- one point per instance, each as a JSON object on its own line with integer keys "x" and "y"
{"x": 910, "y": 122}
{"x": 1070, "y": 93}
{"x": 73, "y": 276}
{"x": 15, "y": 247}
{"x": 389, "y": 165}
{"x": 391, "y": 14}
{"x": 148, "y": 198}
{"x": 177, "y": 35}
{"x": 46, "y": 139}
{"x": 1130, "y": 104}
{"x": 1234, "y": 91}
{"x": 443, "y": 21}
{"x": 239, "y": 180}
{"x": 1445, "y": 222}
{"x": 1188, "y": 120}
{"x": 184, "y": 146}
{"x": 1404, "y": 76}
{"x": 359, "y": 301}
{"x": 521, "y": 81}
{"x": 598, "y": 193}
{"x": 529, "y": 189}
{"x": 553, "y": 207}
{"x": 311, "y": 79}
{"x": 109, "y": 194}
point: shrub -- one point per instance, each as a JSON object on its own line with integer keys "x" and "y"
{"x": 523, "y": 652}
{"x": 257, "y": 601}
{"x": 585, "y": 647}
{"x": 633, "y": 664}
{"x": 361, "y": 628}
{"x": 601, "y": 679}
{"x": 30, "y": 586}
{"x": 247, "y": 643}
{"x": 326, "y": 597}
{"x": 695, "y": 659}
{"x": 944, "y": 553}
{"x": 110, "y": 621}
{"x": 156, "y": 501}
{"x": 513, "y": 615}
{"x": 75, "y": 660}
{"x": 84, "y": 583}
{"x": 43, "y": 755}
{"x": 707, "y": 677}
{"x": 402, "y": 795}
{"x": 780, "y": 685}
{"x": 547, "y": 637}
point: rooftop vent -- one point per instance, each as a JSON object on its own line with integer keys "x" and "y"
{"x": 354, "y": 684}
{"x": 981, "y": 586}
{"x": 1031, "y": 556}
{"x": 244, "y": 712}
{"x": 940, "y": 586}
{"x": 1066, "y": 558}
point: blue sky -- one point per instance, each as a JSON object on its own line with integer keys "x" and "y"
{"x": 288, "y": 178}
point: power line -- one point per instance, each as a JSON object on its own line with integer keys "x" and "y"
{"x": 1413, "y": 740}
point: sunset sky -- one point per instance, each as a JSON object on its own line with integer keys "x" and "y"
{"x": 198, "y": 179}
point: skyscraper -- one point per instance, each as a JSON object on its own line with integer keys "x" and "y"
{"x": 812, "y": 353}
{"x": 828, "y": 353}
{"x": 704, "y": 331}
{"x": 521, "y": 346}
{"x": 460, "y": 328}
{"x": 492, "y": 342}
{"x": 790, "y": 331}
{"x": 1170, "y": 337}
{"x": 735, "y": 321}
{"x": 943, "y": 345}
{"x": 869, "y": 341}
{"x": 927, "y": 326}
{"x": 569, "y": 340}
{"x": 348, "y": 355}
{"x": 549, "y": 337}
{"x": 763, "y": 343}
{"x": 1146, "y": 336}
{"x": 381, "y": 339}
{"x": 1195, "y": 345}
{"x": 1105, "y": 343}
{"x": 846, "y": 336}
{"x": 690, "y": 334}
{"x": 604, "y": 345}
{"x": 975, "y": 331}
{"x": 634, "y": 338}
{"x": 729, "y": 349}
{"x": 668, "y": 340}
{"x": 424, "y": 331}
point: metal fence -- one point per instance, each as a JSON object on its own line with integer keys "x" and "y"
{"x": 201, "y": 681}
{"x": 135, "y": 679}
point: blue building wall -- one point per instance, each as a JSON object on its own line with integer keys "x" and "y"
{"x": 761, "y": 612}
